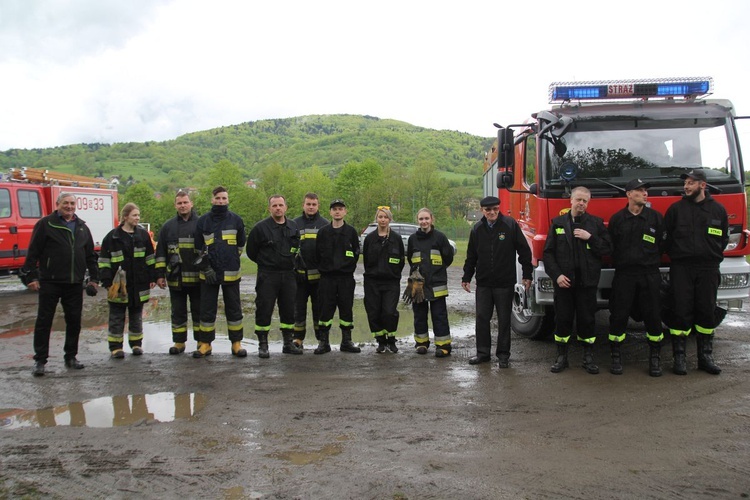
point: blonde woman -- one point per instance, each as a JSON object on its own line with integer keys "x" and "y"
{"x": 383, "y": 256}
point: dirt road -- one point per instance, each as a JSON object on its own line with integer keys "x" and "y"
{"x": 367, "y": 425}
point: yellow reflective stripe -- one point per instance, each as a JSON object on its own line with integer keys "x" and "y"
{"x": 616, "y": 338}
{"x": 588, "y": 341}
{"x": 344, "y": 324}
{"x": 114, "y": 338}
{"x": 306, "y": 235}
{"x": 654, "y": 338}
{"x": 259, "y": 328}
{"x": 234, "y": 326}
{"x": 325, "y": 323}
{"x": 563, "y": 340}
{"x": 715, "y": 231}
{"x": 144, "y": 295}
{"x": 420, "y": 338}
{"x": 394, "y": 260}
{"x": 679, "y": 333}
{"x": 378, "y": 334}
{"x": 150, "y": 260}
{"x": 208, "y": 238}
{"x": 559, "y": 230}
{"x": 135, "y": 336}
{"x": 207, "y": 326}
{"x": 286, "y": 326}
{"x": 349, "y": 253}
{"x": 440, "y": 291}
{"x": 436, "y": 258}
{"x": 649, "y": 239}
{"x": 443, "y": 340}
{"x": 704, "y": 331}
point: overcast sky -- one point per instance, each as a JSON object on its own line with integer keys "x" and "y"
{"x": 150, "y": 70}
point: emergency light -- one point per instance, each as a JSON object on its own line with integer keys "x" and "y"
{"x": 630, "y": 89}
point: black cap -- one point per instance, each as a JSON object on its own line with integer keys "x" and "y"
{"x": 636, "y": 184}
{"x": 697, "y": 174}
{"x": 489, "y": 201}
{"x": 338, "y": 202}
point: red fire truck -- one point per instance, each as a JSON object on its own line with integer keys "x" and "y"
{"x": 30, "y": 194}
{"x": 601, "y": 135}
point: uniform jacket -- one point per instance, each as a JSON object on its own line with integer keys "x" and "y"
{"x": 62, "y": 255}
{"x": 637, "y": 241}
{"x": 175, "y": 252}
{"x": 273, "y": 246}
{"x": 307, "y": 258}
{"x": 559, "y": 256}
{"x": 431, "y": 254}
{"x": 135, "y": 255}
{"x": 383, "y": 257}
{"x": 491, "y": 253}
{"x": 697, "y": 233}
{"x": 338, "y": 250}
{"x": 221, "y": 233}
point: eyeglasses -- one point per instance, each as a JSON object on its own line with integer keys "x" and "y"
{"x": 384, "y": 207}
{"x": 491, "y": 209}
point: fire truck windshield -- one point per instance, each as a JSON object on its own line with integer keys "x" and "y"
{"x": 610, "y": 151}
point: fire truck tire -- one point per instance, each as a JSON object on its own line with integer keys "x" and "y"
{"x": 534, "y": 327}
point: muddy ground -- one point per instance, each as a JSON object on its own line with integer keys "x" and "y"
{"x": 365, "y": 425}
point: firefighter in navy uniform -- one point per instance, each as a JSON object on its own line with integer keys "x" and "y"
{"x": 337, "y": 254}
{"x": 219, "y": 239}
{"x": 175, "y": 267}
{"x": 273, "y": 244}
{"x": 697, "y": 233}
{"x": 308, "y": 274}
{"x": 637, "y": 233}
{"x": 573, "y": 253}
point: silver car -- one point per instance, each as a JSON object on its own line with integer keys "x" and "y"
{"x": 401, "y": 228}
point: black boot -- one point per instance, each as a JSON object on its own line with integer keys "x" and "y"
{"x": 561, "y": 362}
{"x": 588, "y": 359}
{"x": 678, "y": 348}
{"x": 654, "y": 359}
{"x": 616, "y": 368}
{"x": 263, "y": 345}
{"x": 289, "y": 346}
{"x": 38, "y": 370}
{"x": 705, "y": 354}
{"x": 346, "y": 342}
{"x": 323, "y": 345}
{"x": 392, "y": 345}
{"x": 381, "y": 343}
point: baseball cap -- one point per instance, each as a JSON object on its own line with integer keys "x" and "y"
{"x": 339, "y": 202}
{"x": 635, "y": 184}
{"x": 697, "y": 174}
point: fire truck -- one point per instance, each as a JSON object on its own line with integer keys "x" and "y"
{"x": 30, "y": 194}
{"x": 601, "y": 135}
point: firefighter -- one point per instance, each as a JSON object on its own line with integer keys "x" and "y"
{"x": 573, "y": 260}
{"x": 429, "y": 255}
{"x": 337, "y": 255}
{"x": 175, "y": 267}
{"x": 127, "y": 270}
{"x": 219, "y": 239}
{"x": 637, "y": 233}
{"x": 273, "y": 244}
{"x": 494, "y": 242}
{"x": 383, "y": 258}
{"x": 697, "y": 233}
{"x": 308, "y": 274}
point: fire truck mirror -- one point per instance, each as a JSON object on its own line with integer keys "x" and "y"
{"x": 505, "y": 148}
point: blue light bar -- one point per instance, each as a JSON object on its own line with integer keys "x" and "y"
{"x": 631, "y": 89}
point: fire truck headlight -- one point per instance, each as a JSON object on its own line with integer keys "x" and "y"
{"x": 735, "y": 238}
{"x": 545, "y": 285}
{"x": 734, "y": 280}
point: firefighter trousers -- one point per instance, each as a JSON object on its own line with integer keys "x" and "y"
{"x": 575, "y": 304}
{"x": 640, "y": 291}
{"x": 381, "y": 302}
{"x": 209, "y": 308}
{"x": 178, "y": 299}
{"x": 307, "y": 290}
{"x": 438, "y": 310}
{"x": 117, "y": 325}
{"x": 271, "y": 288}
{"x": 694, "y": 298}
{"x": 336, "y": 292}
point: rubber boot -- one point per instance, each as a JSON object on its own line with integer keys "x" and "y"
{"x": 262, "y": 345}
{"x": 705, "y": 354}
{"x": 346, "y": 342}
{"x": 588, "y": 359}
{"x": 299, "y": 339}
{"x": 561, "y": 362}
{"x": 204, "y": 349}
{"x": 392, "y": 345}
{"x": 289, "y": 346}
{"x": 177, "y": 348}
{"x": 323, "y": 345}
{"x": 654, "y": 359}
{"x": 616, "y": 368}
{"x": 678, "y": 349}
{"x": 238, "y": 350}
{"x": 381, "y": 344}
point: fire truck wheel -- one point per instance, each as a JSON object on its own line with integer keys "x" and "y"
{"x": 534, "y": 327}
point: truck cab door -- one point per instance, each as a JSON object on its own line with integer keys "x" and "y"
{"x": 8, "y": 231}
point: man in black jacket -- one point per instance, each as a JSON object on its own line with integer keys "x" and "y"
{"x": 175, "y": 267}
{"x": 63, "y": 249}
{"x": 308, "y": 274}
{"x": 697, "y": 234}
{"x": 273, "y": 244}
{"x": 576, "y": 242}
{"x": 637, "y": 233}
{"x": 494, "y": 243}
{"x": 337, "y": 253}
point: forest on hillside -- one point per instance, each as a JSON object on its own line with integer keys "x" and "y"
{"x": 366, "y": 160}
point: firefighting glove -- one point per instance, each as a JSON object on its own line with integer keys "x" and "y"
{"x": 91, "y": 289}
{"x": 417, "y": 289}
{"x": 210, "y": 275}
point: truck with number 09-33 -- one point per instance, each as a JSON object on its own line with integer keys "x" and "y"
{"x": 30, "y": 194}
{"x": 601, "y": 135}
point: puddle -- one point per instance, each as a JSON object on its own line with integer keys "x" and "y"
{"x": 115, "y": 411}
{"x": 308, "y": 457}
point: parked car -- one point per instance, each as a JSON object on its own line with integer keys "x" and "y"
{"x": 401, "y": 228}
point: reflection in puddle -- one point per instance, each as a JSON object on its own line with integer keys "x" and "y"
{"x": 113, "y": 411}
{"x": 464, "y": 376}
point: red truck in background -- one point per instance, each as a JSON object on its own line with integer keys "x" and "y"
{"x": 601, "y": 135}
{"x": 30, "y": 194}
